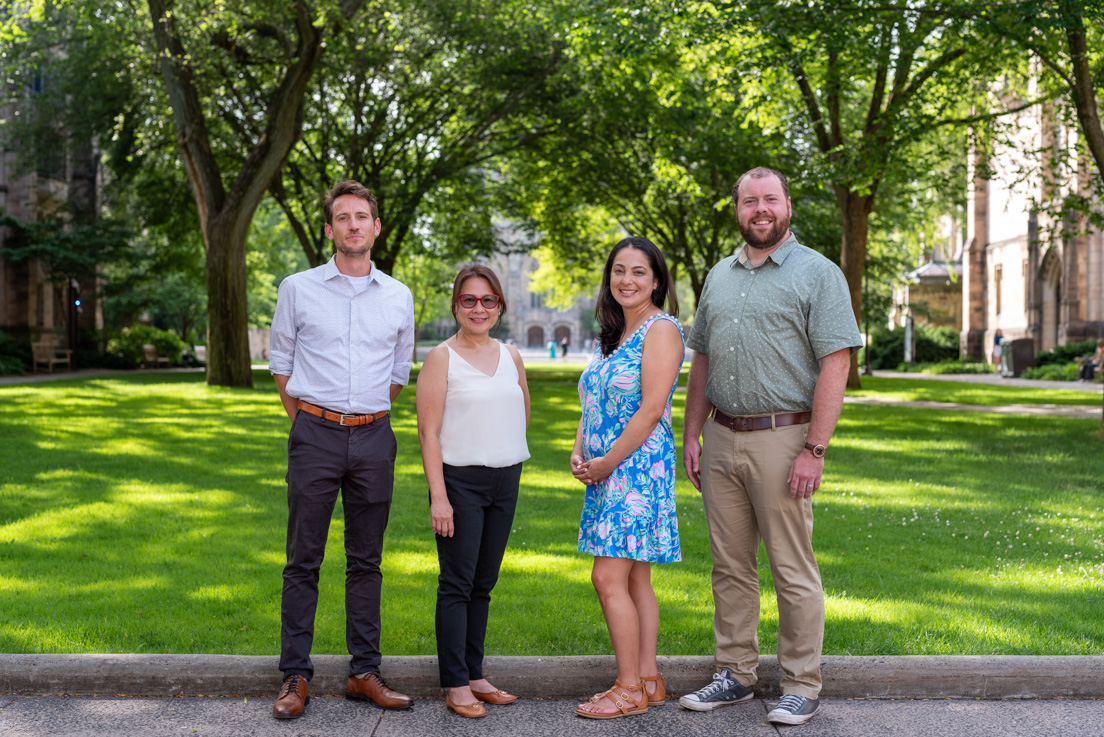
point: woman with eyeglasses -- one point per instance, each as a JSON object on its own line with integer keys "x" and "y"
{"x": 473, "y": 410}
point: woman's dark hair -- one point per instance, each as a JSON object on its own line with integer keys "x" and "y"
{"x": 610, "y": 316}
{"x": 478, "y": 271}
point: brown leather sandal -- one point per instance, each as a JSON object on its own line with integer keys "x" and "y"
{"x": 659, "y": 696}
{"x": 619, "y": 697}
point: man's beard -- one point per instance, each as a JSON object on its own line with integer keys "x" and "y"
{"x": 349, "y": 251}
{"x": 778, "y": 229}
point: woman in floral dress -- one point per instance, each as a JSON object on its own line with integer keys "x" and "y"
{"x": 625, "y": 454}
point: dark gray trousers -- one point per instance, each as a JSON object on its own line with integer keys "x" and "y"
{"x": 483, "y": 501}
{"x": 323, "y": 458}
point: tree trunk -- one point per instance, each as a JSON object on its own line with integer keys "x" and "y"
{"x": 855, "y": 215}
{"x": 228, "y": 361}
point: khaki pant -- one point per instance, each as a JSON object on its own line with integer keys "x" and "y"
{"x": 747, "y": 498}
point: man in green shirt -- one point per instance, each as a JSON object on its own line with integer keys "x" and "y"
{"x": 773, "y": 337}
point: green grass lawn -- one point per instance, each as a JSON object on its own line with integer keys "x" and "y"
{"x": 990, "y": 395}
{"x": 146, "y": 513}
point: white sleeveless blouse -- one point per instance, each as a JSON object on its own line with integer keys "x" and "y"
{"x": 484, "y": 419}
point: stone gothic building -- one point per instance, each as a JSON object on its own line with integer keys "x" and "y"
{"x": 1023, "y": 272}
{"x": 34, "y": 303}
{"x": 531, "y": 322}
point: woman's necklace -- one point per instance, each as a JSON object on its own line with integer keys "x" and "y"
{"x": 636, "y": 326}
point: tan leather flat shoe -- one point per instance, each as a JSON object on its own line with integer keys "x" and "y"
{"x": 471, "y": 711}
{"x": 494, "y": 697}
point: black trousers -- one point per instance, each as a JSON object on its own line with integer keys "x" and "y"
{"x": 323, "y": 458}
{"x": 483, "y": 501}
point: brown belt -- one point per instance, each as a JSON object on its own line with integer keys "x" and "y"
{"x": 762, "y": 422}
{"x": 347, "y": 420}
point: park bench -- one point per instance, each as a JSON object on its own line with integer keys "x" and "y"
{"x": 49, "y": 355}
{"x": 151, "y": 358}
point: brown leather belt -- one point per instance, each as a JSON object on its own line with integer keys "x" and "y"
{"x": 347, "y": 420}
{"x": 762, "y": 422}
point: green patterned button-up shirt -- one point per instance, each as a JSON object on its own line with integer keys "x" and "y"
{"x": 765, "y": 328}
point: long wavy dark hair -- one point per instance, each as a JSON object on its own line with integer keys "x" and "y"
{"x": 610, "y": 316}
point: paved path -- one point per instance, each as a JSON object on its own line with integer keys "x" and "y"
{"x": 996, "y": 380}
{"x": 39, "y": 716}
{"x": 1085, "y": 412}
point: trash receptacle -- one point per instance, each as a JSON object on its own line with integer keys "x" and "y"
{"x": 1017, "y": 355}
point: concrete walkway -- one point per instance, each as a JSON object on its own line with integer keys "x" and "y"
{"x": 34, "y": 716}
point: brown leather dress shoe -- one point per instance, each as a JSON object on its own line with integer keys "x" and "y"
{"x": 375, "y": 691}
{"x": 293, "y": 698}
{"x": 494, "y": 697}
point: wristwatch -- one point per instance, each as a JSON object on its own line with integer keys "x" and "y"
{"x": 818, "y": 451}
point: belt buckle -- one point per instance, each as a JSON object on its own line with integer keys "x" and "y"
{"x": 741, "y": 423}
{"x": 341, "y": 421}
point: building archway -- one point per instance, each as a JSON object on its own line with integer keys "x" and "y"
{"x": 534, "y": 336}
{"x": 1050, "y": 290}
{"x": 563, "y": 331}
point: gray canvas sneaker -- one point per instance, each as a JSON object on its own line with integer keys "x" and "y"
{"x": 724, "y": 690}
{"x": 793, "y": 709}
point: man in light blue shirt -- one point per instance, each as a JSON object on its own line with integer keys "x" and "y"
{"x": 342, "y": 341}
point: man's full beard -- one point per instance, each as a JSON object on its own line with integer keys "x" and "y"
{"x": 778, "y": 229}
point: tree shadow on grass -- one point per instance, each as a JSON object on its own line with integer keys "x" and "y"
{"x": 148, "y": 515}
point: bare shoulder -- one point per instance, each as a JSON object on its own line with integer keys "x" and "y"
{"x": 437, "y": 358}
{"x": 663, "y": 331}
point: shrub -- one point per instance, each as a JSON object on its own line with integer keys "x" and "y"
{"x": 1052, "y": 372}
{"x": 11, "y": 365}
{"x": 129, "y": 343}
{"x": 1062, "y": 354}
{"x": 113, "y": 361}
{"x": 15, "y": 354}
{"x": 948, "y": 367}
{"x": 933, "y": 345}
{"x": 188, "y": 359}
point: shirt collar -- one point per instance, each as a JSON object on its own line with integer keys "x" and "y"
{"x": 778, "y": 255}
{"x": 330, "y": 270}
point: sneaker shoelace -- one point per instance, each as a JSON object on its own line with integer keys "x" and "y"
{"x": 791, "y": 703}
{"x": 720, "y": 683}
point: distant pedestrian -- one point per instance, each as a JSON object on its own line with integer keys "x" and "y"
{"x": 997, "y": 350}
{"x": 342, "y": 340}
{"x": 552, "y": 349}
{"x": 772, "y": 341}
{"x": 1091, "y": 364}
{"x": 473, "y": 410}
{"x": 564, "y": 345}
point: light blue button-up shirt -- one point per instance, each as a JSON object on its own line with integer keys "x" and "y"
{"x": 342, "y": 349}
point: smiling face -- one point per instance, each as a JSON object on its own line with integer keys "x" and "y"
{"x": 631, "y": 279}
{"x": 477, "y": 320}
{"x": 353, "y": 228}
{"x": 763, "y": 212}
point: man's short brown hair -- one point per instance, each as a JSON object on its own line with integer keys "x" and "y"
{"x": 348, "y": 187}
{"x": 758, "y": 173}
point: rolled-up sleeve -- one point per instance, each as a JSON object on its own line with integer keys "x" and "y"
{"x": 281, "y": 340}
{"x": 404, "y": 346}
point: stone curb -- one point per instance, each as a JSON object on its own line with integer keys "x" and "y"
{"x": 568, "y": 677}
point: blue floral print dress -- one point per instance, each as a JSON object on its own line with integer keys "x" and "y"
{"x": 631, "y": 513}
